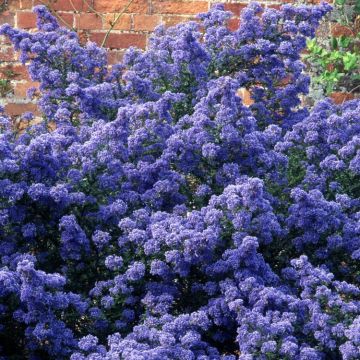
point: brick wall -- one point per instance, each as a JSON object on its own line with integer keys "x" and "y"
{"x": 92, "y": 19}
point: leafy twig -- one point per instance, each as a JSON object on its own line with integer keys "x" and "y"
{"x": 350, "y": 92}
{"x": 113, "y": 23}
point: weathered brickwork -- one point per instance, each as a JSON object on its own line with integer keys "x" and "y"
{"x": 92, "y": 19}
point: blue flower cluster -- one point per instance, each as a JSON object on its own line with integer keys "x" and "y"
{"x": 152, "y": 215}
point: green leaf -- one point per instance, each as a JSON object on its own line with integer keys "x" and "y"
{"x": 350, "y": 60}
{"x": 357, "y": 7}
{"x": 334, "y": 42}
{"x": 335, "y": 55}
{"x": 311, "y": 44}
{"x": 340, "y": 2}
{"x": 344, "y": 41}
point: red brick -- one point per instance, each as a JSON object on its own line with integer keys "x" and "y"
{"x": 284, "y": 81}
{"x": 16, "y": 109}
{"x": 17, "y": 55}
{"x": 144, "y": 22}
{"x": 235, "y": 8}
{"x": 115, "y": 56}
{"x": 13, "y": 4}
{"x": 338, "y": 30}
{"x": 245, "y": 96}
{"x": 66, "y": 19}
{"x": 4, "y": 41}
{"x": 21, "y": 88}
{"x": 272, "y": 6}
{"x": 174, "y": 20}
{"x": 116, "y": 6}
{"x": 7, "y": 17}
{"x": 88, "y": 21}
{"x": 7, "y": 54}
{"x": 69, "y": 5}
{"x": 21, "y": 125}
{"x": 177, "y": 7}
{"x": 124, "y": 22}
{"x": 21, "y": 71}
{"x": 233, "y": 24}
{"x": 26, "y": 4}
{"x": 64, "y": 5}
{"x": 26, "y": 20}
{"x": 83, "y": 36}
{"x": 120, "y": 41}
{"x": 14, "y": 72}
{"x": 340, "y": 97}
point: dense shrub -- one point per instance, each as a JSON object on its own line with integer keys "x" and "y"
{"x": 152, "y": 216}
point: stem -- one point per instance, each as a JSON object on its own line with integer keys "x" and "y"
{"x": 73, "y": 6}
{"x": 351, "y": 91}
{"x": 112, "y": 25}
{"x": 92, "y": 9}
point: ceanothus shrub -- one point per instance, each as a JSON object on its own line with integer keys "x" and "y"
{"x": 151, "y": 215}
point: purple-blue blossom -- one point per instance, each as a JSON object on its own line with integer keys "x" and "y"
{"x": 163, "y": 218}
